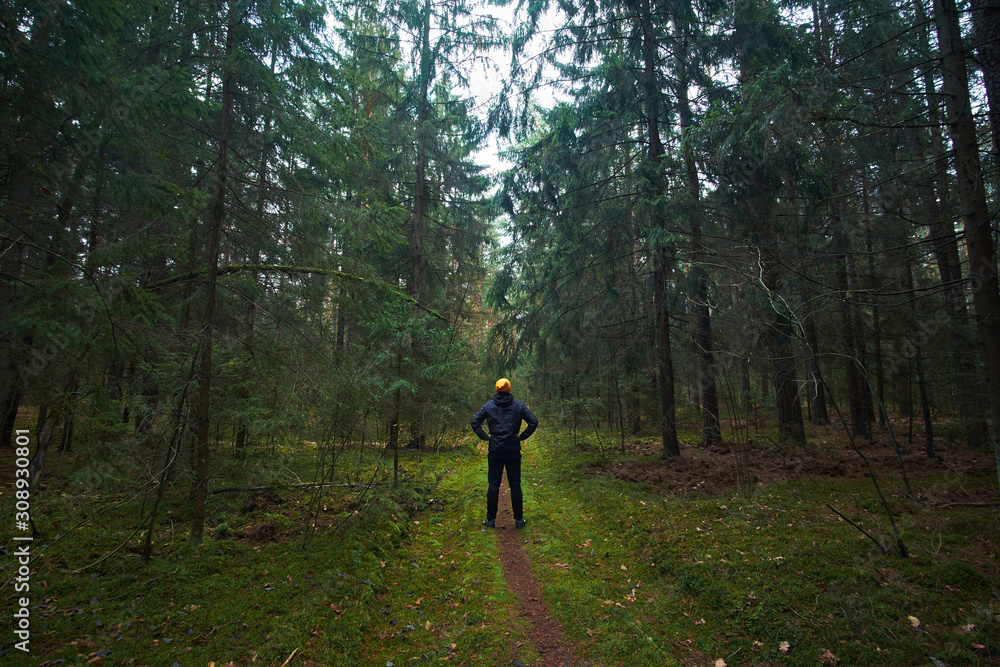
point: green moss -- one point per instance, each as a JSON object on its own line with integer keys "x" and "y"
{"x": 957, "y": 574}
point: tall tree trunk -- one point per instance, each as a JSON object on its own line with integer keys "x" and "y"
{"x": 710, "y": 431}
{"x": 420, "y": 203}
{"x": 860, "y": 352}
{"x": 876, "y": 321}
{"x": 420, "y": 183}
{"x": 786, "y": 388}
{"x": 208, "y": 319}
{"x": 661, "y": 254}
{"x": 760, "y": 195}
{"x": 918, "y": 358}
{"x": 857, "y": 386}
{"x": 971, "y": 192}
{"x": 944, "y": 243}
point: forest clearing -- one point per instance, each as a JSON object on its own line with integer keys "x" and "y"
{"x": 262, "y": 261}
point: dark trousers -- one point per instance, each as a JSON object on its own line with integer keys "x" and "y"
{"x": 512, "y": 462}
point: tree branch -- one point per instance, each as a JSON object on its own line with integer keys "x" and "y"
{"x": 263, "y": 268}
{"x": 268, "y": 268}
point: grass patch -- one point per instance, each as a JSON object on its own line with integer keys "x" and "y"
{"x": 639, "y": 577}
{"x": 357, "y": 593}
{"x": 637, "y": 573}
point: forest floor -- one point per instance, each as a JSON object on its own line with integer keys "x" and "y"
{"x": 626, "y": 559}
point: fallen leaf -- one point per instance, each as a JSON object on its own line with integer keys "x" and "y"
{"x": 827, "y": 655}
{"x": 427, "y": 625}
{"x": 720, "y": 663}
{"x": 978, "y": 647}
{"x": 784, "y": 646}
{"x": 914, "y": 621}
{"x": 701, "y": 622}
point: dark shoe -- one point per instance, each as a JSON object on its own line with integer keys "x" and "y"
{"x": 520, "y": 523}
{"x": 489, "y": 523}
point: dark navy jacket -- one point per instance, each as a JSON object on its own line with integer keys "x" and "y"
{"x": 503, "y": 415}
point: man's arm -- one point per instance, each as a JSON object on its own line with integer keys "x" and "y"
{"x": 477, "y": 424}
{"x": 532, "y": 420}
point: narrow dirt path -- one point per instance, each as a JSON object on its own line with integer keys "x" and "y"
{"x": 545, "y": 633}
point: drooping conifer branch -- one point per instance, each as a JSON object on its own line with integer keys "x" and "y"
{"x": 282, "y": 268}
{"x": 261, "y": 268}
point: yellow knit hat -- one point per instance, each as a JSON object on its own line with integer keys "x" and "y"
{"x": 503, "y": 384}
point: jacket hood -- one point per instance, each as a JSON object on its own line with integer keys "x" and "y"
{"x": 503, "y": 398}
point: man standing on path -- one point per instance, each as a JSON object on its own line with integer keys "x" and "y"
{"x": 503, "y": 415}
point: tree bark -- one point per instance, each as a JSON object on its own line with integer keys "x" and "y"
{"x": 944, "y": 243}
{"x": 854, "y": 369}
{"x": 208, "y": 319}
{"x": 876, "y": 320}
{"x": 818, "y": 413}
{"x": 971, "y": 192}
{"x": 710, "y": 431}
{"x": 786, "y": 388}
{"x": 420, "y": 203}
{"x": 661, "y": 254}
{"x": 918, "y": 358}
